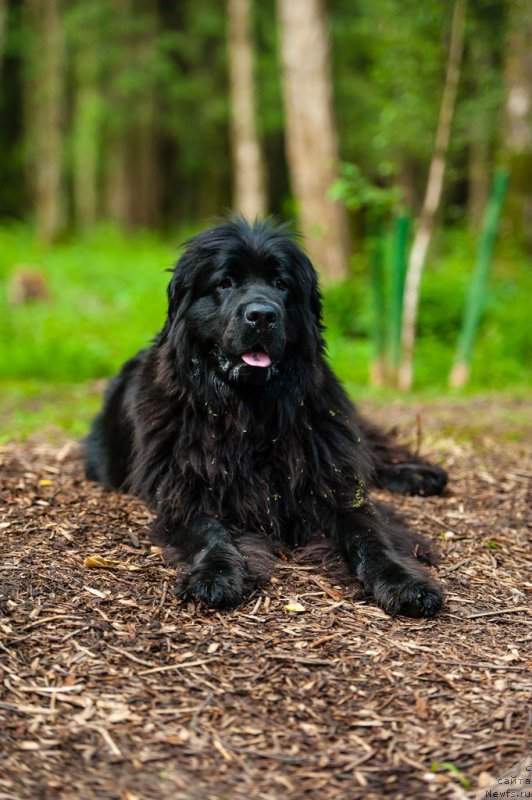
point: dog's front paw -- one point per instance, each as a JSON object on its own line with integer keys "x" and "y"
{"x": 401, "y": 592}
{"x": 423, "y": 479}
{"x": 216, "y": 585}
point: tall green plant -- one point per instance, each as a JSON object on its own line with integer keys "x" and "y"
{"x": 377, "y": 202}
{"x": 477, "y": 288}
{"x": 399, "y": 258}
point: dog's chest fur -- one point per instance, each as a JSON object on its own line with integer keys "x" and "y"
{"x": 243, "y": 467}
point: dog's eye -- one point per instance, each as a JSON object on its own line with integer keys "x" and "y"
{"x": 227, "y": 283}
{"x": 281, "y": 285}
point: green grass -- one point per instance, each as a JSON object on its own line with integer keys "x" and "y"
{"x": 29, "y": 408}
{"x": 108, "y": 300}
{"x": 48, "y": 410}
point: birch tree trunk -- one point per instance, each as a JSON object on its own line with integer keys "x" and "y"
{"x": 44, "y": 95}
{"x": 249, "y": 195}
{"x": 518, "y": 127}
{"x": 432, "y": 199}
{"x": 311, "y": 138}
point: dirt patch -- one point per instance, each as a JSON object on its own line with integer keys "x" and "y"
{"x": 112, "y": 688}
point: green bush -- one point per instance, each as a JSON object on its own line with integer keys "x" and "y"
{"x": 502, "y": 351}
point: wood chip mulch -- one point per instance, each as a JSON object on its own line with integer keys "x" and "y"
{"x": 110, "y": 687}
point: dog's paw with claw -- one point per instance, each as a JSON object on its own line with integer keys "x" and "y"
{"x": 217, "y": 584}
{"x": 400, "y": 591}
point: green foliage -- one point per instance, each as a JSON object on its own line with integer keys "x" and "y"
{"x": 156, "y": 73}
{"x": 501, "y": 355}
{"x": 389, "y": 61}
{"x": 357, "y": 192}
{"x": 346, "y": 309}
{"x": 108, "y": 301}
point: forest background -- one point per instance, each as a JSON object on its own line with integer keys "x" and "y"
{"x": 128, "y": 125}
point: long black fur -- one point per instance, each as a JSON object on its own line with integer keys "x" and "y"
{"x": 239, "y": 460}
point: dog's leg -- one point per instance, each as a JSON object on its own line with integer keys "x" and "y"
{"x": 398, "y": 583}
{"x": 216, "y": 574}
{"x": 397, "y": 468}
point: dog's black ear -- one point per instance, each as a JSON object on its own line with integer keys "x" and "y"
{"x": 311, "y": 304}
{"x": 179, "y": 287}
{"x": 179, "y": 291}
{"x": 315, "y": 295}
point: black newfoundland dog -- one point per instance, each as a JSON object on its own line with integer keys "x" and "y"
{"x": 236, "y": 432}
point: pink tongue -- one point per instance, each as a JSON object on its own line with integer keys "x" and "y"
{"x": 257, "y": 359}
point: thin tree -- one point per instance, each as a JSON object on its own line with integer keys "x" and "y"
{"x": 87, "y": 114}
{"x": 432, "y": 199}
{"x": 518, "y": 120}
{"x": 249, "y": 195}
{"x": 311, "y": 137}
{"x": 116, "y": 195}
{"x": 480, "y": 135}
{"x": 144, "y": 178}
{"x": 44, "y": 107}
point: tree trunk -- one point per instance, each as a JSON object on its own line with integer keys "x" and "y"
{"x": 86, "y": 146}
{"x": 478, "y": 156}
{"x": 44, "y": 115}
{"x": 248, "y": 168}
{"x": 518, "y": 128}
{"x": 478, "y": 178}
{"x": 116, "y": 189}
{"x": 311, "y": 139}
{"x": 3, "y": 24}
{"x": 132, "y": 184}
{"x": 431, "y": 203}
{"x": 406, "y": 181}
{"x": 143, "y": 172}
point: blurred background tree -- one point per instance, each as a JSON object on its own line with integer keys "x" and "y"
{"x": 249, "y": 196}
{"x": 123, "y": 119}
{"x": 122, "y": 109}
{"x": 311, "y": 135}
{"x": 518, "y": 127}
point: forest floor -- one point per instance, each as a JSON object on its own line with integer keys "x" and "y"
{"x": 110, "y": 687}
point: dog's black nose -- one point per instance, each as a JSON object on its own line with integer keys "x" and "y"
{"x": 261, "y": 315}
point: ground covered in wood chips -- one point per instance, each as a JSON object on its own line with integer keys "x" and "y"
{"x": 112, "y": 688}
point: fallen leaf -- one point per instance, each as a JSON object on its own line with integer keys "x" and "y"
{"x": 45, "y": 482}
{"x": 294, "y": 607}
{"x": 98, "y": 562}
{"x": 97, "y": 593}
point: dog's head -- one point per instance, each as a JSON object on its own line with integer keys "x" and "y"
{"x": 244, "y": 299}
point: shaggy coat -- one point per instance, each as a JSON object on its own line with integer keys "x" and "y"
{"x": 236, "y": 432}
